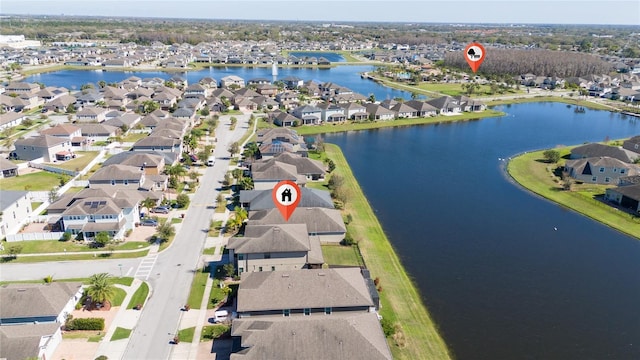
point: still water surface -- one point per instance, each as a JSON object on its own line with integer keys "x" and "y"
{"x": 500, "y": 282}
{"x": 343, "y": 75}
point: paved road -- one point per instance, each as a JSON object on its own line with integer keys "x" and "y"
{"x": 172, "y": 274}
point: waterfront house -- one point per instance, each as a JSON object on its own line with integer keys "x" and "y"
{"x": 354, "y": 336}
{"x": 275, "y": 248}
{"x": 313, "y": 170}
{"x": 265, "y": 178}
{"x": 469, "y": 104}
{"x": 310, "y": 115}
{"x": 627, "y": 196}
{"x": 379, "y": 112}
{"x": 284, "y": 119}
{"x": 600, "y": 170}
{"x": 332, "y": 113}
{"x": 446, "y": 105}
{"x": 301, "y": 293}
{"x": 232, "y": 81}
{"x": 403, "y": 111}
{"x": 632, "y": 144}
{"x": 601, "y": 150}
{"x": 355, "y": 111}
{"x": 423, "y": 109}
{"x": 42, "y": 146}
{"x": 327, "y": 224}
{"x": 263, "y": 199}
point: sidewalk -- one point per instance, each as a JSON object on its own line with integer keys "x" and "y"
{"x": 126, "y": 319}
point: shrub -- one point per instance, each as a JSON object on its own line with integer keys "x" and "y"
{"x": 86, "y": 324}
{"x": 102, "y": 357}
{"x": 348, "y": 239}
{"x": 387, "y": 327}
{"x": 182, "y": 200}
{"x": 66, "y": 237}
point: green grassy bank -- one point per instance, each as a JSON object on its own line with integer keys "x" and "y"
{"x": 367, "y": 125}
{"x": 417, "y": 336}
{"x": 530, "y": 171}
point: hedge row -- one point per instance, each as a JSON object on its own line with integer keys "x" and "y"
{"x": 85, "y": 324}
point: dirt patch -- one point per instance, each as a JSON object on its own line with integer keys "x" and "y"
{"x": 82, "y": 349}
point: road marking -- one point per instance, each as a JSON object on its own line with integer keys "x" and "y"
{"x": 145, "y": 267}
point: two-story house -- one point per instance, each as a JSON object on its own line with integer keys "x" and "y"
{"x": 90, "y": 216}
{"x": 310, "y": 115}
{"x": 42, "y": 146}
{"x": 275, "y": 248}
{"x": 15, "y": 207}
{"x": 600, "y": 170}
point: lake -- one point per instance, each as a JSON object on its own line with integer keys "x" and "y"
{"x": 343, "y": 75}
{"x": 497, "y": 278}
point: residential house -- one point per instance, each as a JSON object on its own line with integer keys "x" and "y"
{"x": 601, "y": 150}
{"x": 327, "y": 224}
{"x": 89, "y": 216}
{"x": 60, "y": 104}
{"x": 15, "y": 208}
{"x": 7, "y": 168}
{"x": 21, "y": 88}
{"x": 446, "y": 105}
{"x": 627, "y": 196}
{"x": 354, "y": 336}
{"x": 313, "y": 170}
{"x": 271, "y": 149}
{"x": 197, "y": 89}
{"x": 380, "y": 113}
{"x": 332, "y": 113}
{"x": 42, "y": 146}
{"x": 266, "y": 177}
{"x": 151, "y": 164}
{"x": 404, "y": 111}
{"x": 632, "y": 144}
{"x": 267, "y": 89}
{"x": 99, "y": 132}
{"x": 65, "y": 131}
{"x": 92, "y": 115}
{"x": 469, "y": 104}
{"x": 157, "y": 143}
{"x": 11, "y": 119}
{"x": 355, "y": 111}
{"x": 600, "y": 170}
{"x": 423, "y": 109}
{"x": 232, "y": 81}
{"x": 284, "y": 119}
{"x": 282, "y": 247}
{"x": 310, "y": 115}
{"x": 263, "y": 199}
{"x": 296, "y": 293}
{"x": 120, "y": 176}
{"x": 278, "y": 134}
{"x": 31, "y": 318}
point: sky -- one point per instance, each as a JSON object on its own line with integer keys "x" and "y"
{"x": 616, "y": 12}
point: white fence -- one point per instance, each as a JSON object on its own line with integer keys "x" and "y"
{"x": 35, "y": 236}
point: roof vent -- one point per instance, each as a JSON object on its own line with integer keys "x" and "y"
{"x": 285, "y": 275}
{"x": 320, "y": 274}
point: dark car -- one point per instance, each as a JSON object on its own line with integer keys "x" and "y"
{"x": 160, "y": 210}
{"x": 193, "y": 157}
{"x": 149, "y": 222}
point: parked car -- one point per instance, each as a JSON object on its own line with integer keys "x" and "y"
{"x": 160, "y": 210}
{"x": 149, "y": 222}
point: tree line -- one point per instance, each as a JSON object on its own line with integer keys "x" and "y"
{"x": 538, "y": 62}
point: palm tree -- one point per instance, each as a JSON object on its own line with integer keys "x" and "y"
{"x": 176, "y": 170}
{"x": 148, "y": 203}
{"x": 101, "y": 288}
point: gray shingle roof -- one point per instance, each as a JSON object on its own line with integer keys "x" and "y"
{"x": 272, "y": 238}
{"x": 318, "y": 220}
{"x": 41, "y": 141}
{"x": 117, "y": 172}
{"x": 597, "y": 150}
{"x": 299, "y": 289}
{"x": 8, "y": 197}
{"x": 355, "y": 336}
{"x": 262, "y": 199}
{"x": 35, "y": 300}
{"x": 21, "y": 342}
{"x": 277, "y": 171}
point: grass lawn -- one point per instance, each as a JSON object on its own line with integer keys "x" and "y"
{"x": 90, "y": 335}
{"x": 209, "y": 251}
{"x": 120, "y": 333}
{"x": 197, "y": 289}
{"x": 216, "y": 295}
{"x": 34, "y": 205}
{"x": 331, "y": 128}
{"x": 81, "y": 161}
{"x": 565, "y": 100}
{"x": 186, "y": 335}
{"x": 54, "y": 246}
{"x": 176, "y": 220}
{"x": 214, "y": 228}
{"x": 341, "y": 255}
{"x": 37, "y": 181}
{"x": 418, "y": 337}
{"x": 456, "y": 89}
{"x": 210, "y": 332}
{"x": 62, "y": 257}
{"x": 532, "y": 173}
{"x": 126, "y": 281}
{"x": 118, "y": 298}
{"x": 139, "y": 296}
{"x": 133, "y": 137}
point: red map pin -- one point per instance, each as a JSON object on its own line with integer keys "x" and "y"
{"x": 286, "y": 195}
{"x": 474, "y": 53}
